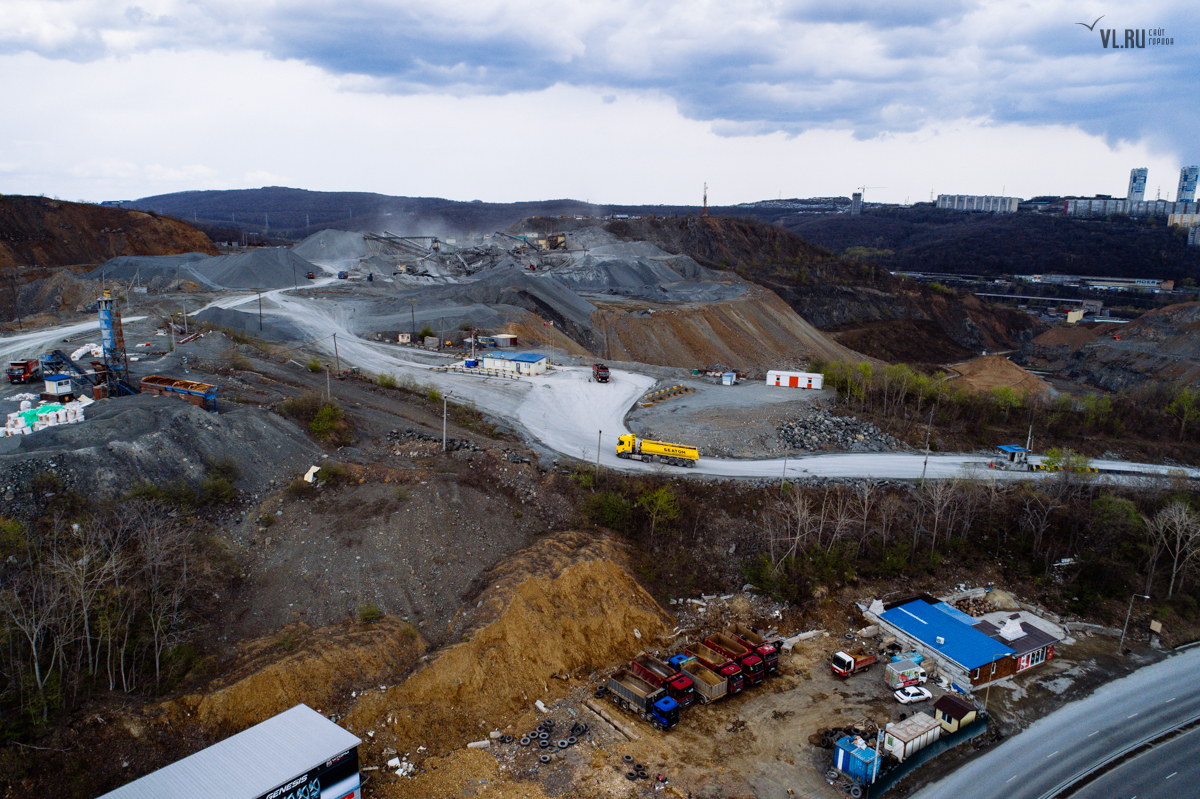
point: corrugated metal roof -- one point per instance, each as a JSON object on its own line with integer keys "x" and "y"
{"x": 955, "y": 613}
{"x": 249, "y": 764}
{"x": 520, "y": 357}
{"x": 962, "y": 643}
{"x": 1033, "y": 639}
{"x": 1011, "y": 448}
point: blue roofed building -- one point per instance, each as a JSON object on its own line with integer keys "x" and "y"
{"x": 525, "y": 363}
{"x": 947, "y": 635}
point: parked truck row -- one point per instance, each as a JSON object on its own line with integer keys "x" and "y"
{"x": 705, "y": 671}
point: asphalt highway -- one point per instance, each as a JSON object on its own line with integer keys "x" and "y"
{"x": 1169, "y": 771}
{"x": 1081, "y": 735}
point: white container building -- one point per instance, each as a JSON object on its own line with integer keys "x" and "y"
{"x": 904, "y": 738}
{"x": 795, "y": 379}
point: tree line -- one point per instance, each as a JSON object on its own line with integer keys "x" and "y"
{"x": 92, "y": 600}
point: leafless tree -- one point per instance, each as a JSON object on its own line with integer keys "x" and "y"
{"x": 32, "y": 603}
{"x": 1175, "y": 531}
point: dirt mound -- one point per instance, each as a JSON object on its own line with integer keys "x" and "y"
{"x": 755, "y": 331}
{"x": 36, "y": 231}
{"x": 554, "y": 612}
{"x": 1160, "y": 345}
{"x": 60, "y": 292}
{"x": 996, "y": 371}
{"x": 159, "y": 439}
{"x": 1073, "y": 336}
{"x": 299, "y": 664}
{"x": 334, "y": 247}
{"x": 260, "y": 268}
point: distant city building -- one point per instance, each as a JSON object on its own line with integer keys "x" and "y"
{"x": 1194, "y": 236}
{"x": 856, "y": 203}
{"x": 1184, "y": 220}
{"x": 1109, "y": 283}
{"x": 1108, "y": 207}
{"x": 1137, "y": 184}
{"x": 1189, "y": 176}
{"x": 978, "y": 202}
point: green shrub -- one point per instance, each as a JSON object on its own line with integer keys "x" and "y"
{"x": 386, "y": 380}
{"x": 369, "y": 613}
{"x": 314, "y": 365}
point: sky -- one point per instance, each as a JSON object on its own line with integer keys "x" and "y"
{"x": 621, "y": 102}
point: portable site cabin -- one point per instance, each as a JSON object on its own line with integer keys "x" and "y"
{"x": 905, "y": 738}
{"x": 953, "y": 713}
{"x": 1016, "y": 456}
{"x": 728, "y": 378}
{"x": 795, "y": 379}
{"x": 58, "y": 386}
{"x": 298, "y": 754}
{"x": 856, "y": 760}
{"x": 524, "y": 363}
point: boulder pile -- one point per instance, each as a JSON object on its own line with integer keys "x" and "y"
{"x": 818, "y": 429}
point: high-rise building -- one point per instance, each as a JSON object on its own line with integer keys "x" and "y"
{"x": 1137, "y": 184}
{"x": 1189, "y": 176}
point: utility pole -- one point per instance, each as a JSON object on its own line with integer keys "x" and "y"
{"x": 599, "y": 435}
{"x": 445, "y": 405}
{"x": 328, "y": 372}
{"x": 1128, "y": 613}
{"x": 783, "y": 477}
{"x": 260, "y": 309}
{"x": 927, "y": 431}
{"x": 335, "y": 354}
{"x": 185, "y": 325}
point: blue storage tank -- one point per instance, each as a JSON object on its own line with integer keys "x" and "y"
{"x": 859, "y": 763}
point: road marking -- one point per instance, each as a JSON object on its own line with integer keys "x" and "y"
{"x": 1052, "y": 754}
{"x": 1169, "y": 776}
{"x": 1092, "y": 733}
{"x": 1010, "y": 779}
{"x": 1131, "y": 715}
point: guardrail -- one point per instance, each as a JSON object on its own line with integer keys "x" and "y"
{"x": 666, "y": 393}
{"x": 478, "y": 372}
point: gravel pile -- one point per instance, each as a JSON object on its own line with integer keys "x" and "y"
{"x": 452, "y": 444}
{"x": 818, "y": 429}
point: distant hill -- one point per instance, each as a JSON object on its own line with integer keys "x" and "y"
{"x": 37, "y": 231}
{"x": 293, "y": 214}
{"x": 926, "y": 239}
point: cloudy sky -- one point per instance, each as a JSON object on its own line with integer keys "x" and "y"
{"x": 624, "y": 101}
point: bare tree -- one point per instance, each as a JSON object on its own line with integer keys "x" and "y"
{"x": 32, "y": 603}
{"x": 1174, "y": 530}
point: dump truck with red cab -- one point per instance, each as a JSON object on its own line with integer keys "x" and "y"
{"x": 719, "y": 663}
{"x": 767, "y": 650}
{"x": 678, "y": 686}
{"x": 24, "y": 371}
{"x": 739, "y": 653}
{"x": 631, "y": 692}
{"x": 709, "y": 685}
{"x": 600, "y": 373}
{"x": 847, "y": 663}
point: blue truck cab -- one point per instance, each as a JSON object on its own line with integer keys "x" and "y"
{"x": 666, "y": 712}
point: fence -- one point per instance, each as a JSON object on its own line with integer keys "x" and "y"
{"x": 967, "y": 733}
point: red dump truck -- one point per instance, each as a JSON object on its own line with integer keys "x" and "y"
{"x": 678, "y": 686}
{"x": 847, "y": 663}
{"x": 752, "y": 664}
{"x": 600, "y": 373}
{"x": 767, "y": 650}
{"x": 23, "y": 371}
{"x": 709, "y": 685}
{"x": 719, "y": 663}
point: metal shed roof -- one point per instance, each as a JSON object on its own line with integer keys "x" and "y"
{"x": 520, "y": 357}
{"x": 249, "y": 764}
{"x": 1011, "y": 448}
{"x": 961, "y": 643}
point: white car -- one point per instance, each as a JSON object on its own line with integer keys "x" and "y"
{"x": 906, "y": 696}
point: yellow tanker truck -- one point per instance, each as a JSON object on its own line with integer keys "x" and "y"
{"x": 629, "y": 447}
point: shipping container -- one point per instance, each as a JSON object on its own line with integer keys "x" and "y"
{"x": 856, "y": 760}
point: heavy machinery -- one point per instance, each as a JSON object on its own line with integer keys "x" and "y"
{"x": 846, "y": 663}
{"x": 600, "y": 373}
{"x": 767, "y": 650}
{"x": 739, "y": 653}
{"x": 24, "y": 371}
{"x": 678, "y": 686}
{"x": 631, "y": 448}
{"x": 720, "y": 664}
{"x": 709, "y": 685}
{"x": 631, "y": 692}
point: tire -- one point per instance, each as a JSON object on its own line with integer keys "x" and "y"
{"x": 544, "y": 758}
{"x": 562, "y": 744}
{"x": 631, "y": 776}
{"x": 572, "y": 741}
{"x": 524, "y": 740}
{"x": 639, "y": 767}
{"x": 627, "y": 758}
{"x": 855, "y": 791}
{"x": 543, "y": 744}
{"x": 643, "y": 775}
{"x": 832, "y": 774}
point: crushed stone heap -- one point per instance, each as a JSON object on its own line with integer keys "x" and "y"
{"x": 818, "y": 429}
